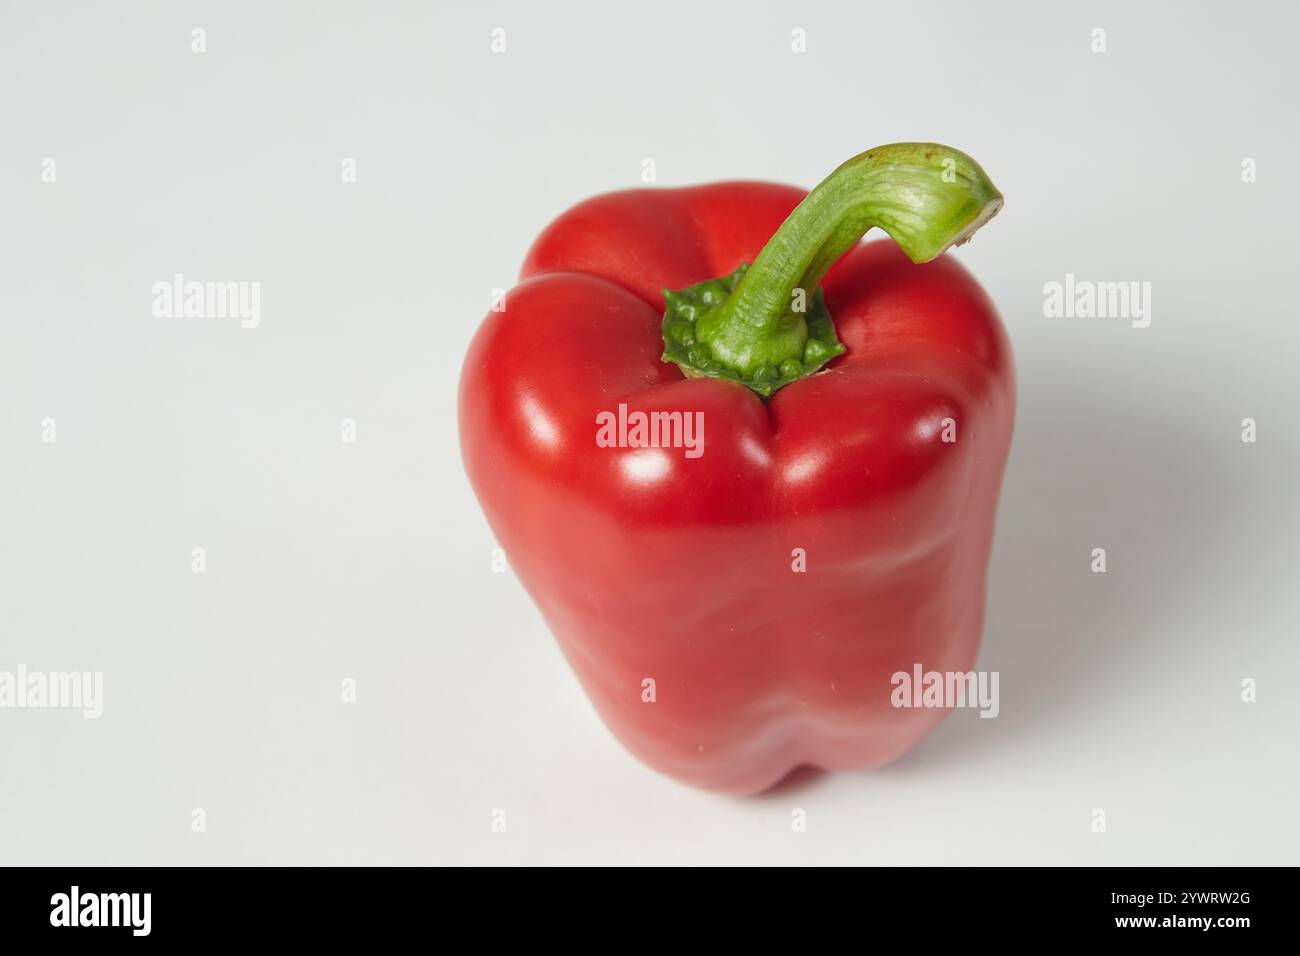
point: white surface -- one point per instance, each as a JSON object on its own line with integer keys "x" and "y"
{"x": 371, "y": 561}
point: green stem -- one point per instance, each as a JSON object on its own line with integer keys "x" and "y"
{"x": 766, "y": 325}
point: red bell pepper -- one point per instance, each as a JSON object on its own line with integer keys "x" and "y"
{"x": 736, "y": 580}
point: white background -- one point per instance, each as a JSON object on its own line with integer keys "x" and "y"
{"x": 371, "y": 560}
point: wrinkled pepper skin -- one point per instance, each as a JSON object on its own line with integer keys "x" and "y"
{"x": 648, "y": 564}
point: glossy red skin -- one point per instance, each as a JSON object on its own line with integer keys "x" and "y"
{"x": 648, "y": 564}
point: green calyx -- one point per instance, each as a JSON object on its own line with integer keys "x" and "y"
{"x": 766, "y": 325}
{"x": 800, "y": 347}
